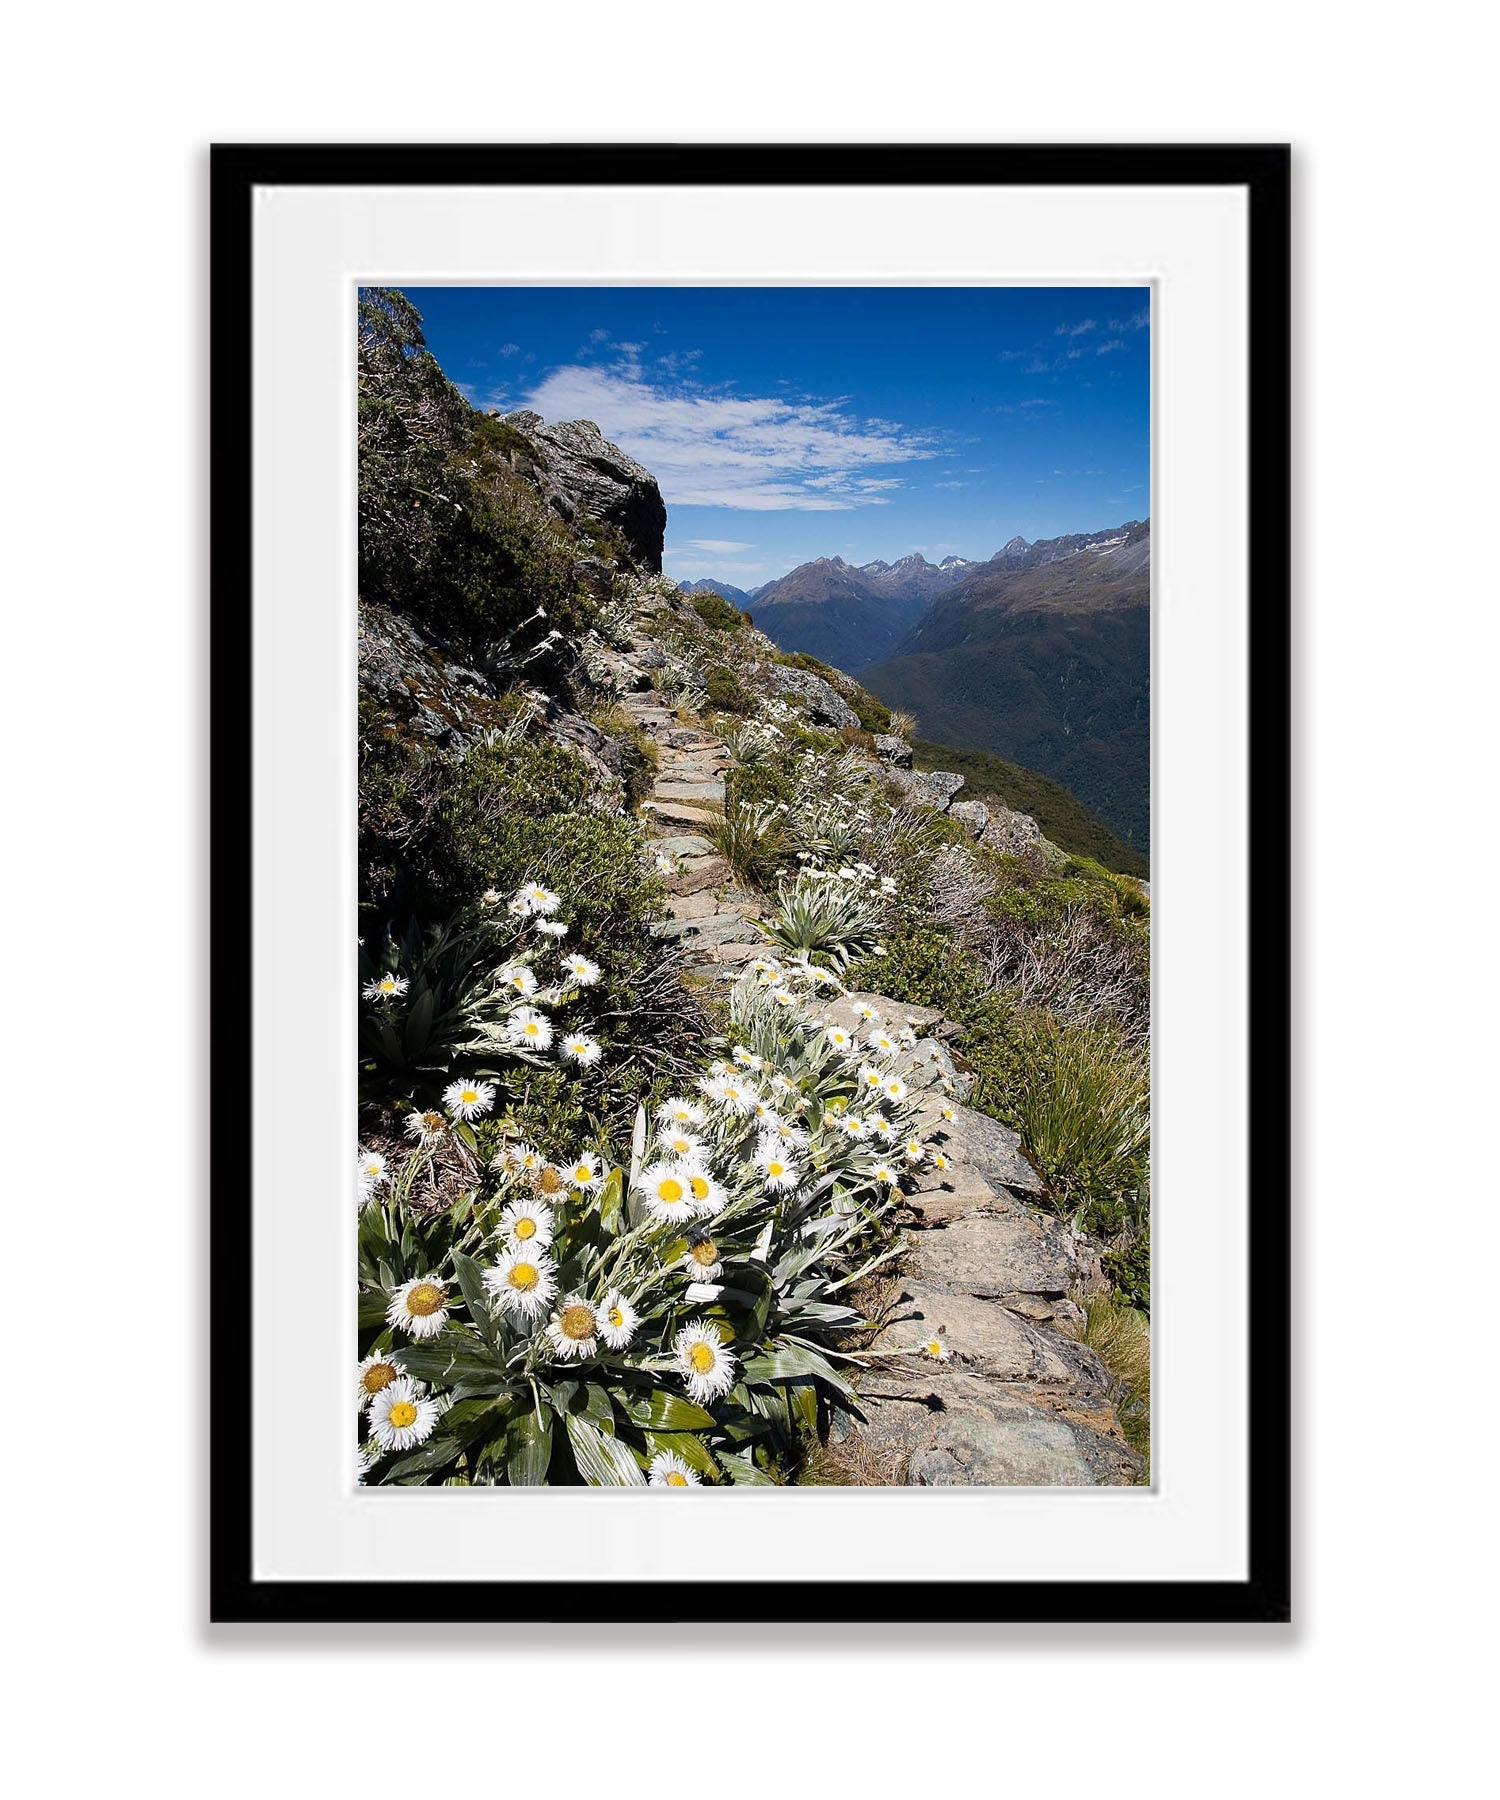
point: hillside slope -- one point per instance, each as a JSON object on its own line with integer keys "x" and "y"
{"x": 1047, "y": 666}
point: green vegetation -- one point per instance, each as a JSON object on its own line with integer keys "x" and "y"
{"x": 1062, "y": 818}
{"x": 1121, "y": 1337}
{"x": 726, "y": 692}
{"x": 716, "y": 612}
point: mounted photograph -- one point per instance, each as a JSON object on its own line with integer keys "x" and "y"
{"x": 754, "y": 887}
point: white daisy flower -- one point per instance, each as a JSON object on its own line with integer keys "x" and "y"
{"x": 906, "y": 1036}
{"x": 708, "y": 1195}
{"x": 538, "y": 899}
{"x": 702, "y": 1260}
{"x": 469, "y": 1099}
{"x": 885, "y": 1175}
{"x": 914, "y": 1151}
{"x": 425, "y": 1127}
{"x": 839, "y": 1038}
{"x": 783, "y": 1085}
{"x": 552, "y": 928}
{"x": 791, "y": 1135}
{"x": 584, "y": 972}
{"x": 617, "y": 1320}
{"x": 681, "y": 1112}
{"x": 895, "y": 1088}
{"x": 518, "y": 977}
{"x": 701, "y": 1357}
{"x": 528, "y": 1027}
{"x": 372, "y": 1169}
{"x": 518, "y": 909}
{"x": 664, "y": 864}
{"x": 681, "y": 1144}
{"x": 419, "y": 1307}
{"x": 386, "y": 987}
{"x": 518, "y": 1159}
{"x": 871, "y": 1078}
{"x": 490, "y": 897}
{"x": 744, "y": 1057}
{"x": 374, "y": 1374}
{"x": 948, "y": 1111}
{"x": 882, "y": 1128}
{"x": 522, "y": 1282}
{"x": 573, "y": 1330}
{"x": 941, "y": 1163}
{"x": 667, "y": 1469}
{"x": 779, "y": 1170}
{"x": 583, "y": 1050}
{"x": 400, "y": 1418}
{"x": 668, "y": 1191}
{"x": 883, "y": 1042}
{"x": 527, "y": 1224}
{"x": 783, "y": 996}
{"x": 867, "y": 1012}
{"x": 936, "y": 1349}
{"x": 583, "y": 1172}
{"x": 853, "y": 1127}
{"x": 764, "y": 966}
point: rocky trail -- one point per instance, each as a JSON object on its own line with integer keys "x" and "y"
{"x": 1015, "y": 1400}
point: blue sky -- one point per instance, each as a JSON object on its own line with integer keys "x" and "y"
{"x": 789, "y": 423}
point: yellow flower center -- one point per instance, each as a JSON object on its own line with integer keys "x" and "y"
{"x": 702, "y": 1358}
{"x": 550, "y": 1180}
{"x": 425, "y": 1299}
{"x": 524, "y": 1276}
{"x": 775, "y": 1169}
{"x": 699, "y": 1186}
{"x": 387, "y": 985}
{"x": 403, "y": 1413}
{"x": 616, "y": 1318}
{"x": 525, "y": 1228}
{"x": 676, "y": 1479}
{"x": 531, "y": 1028}
{"x": 372, "y": 1168}
{"x": 582, "y": 1172}
{"x": 577, "y": 1322}
{"x": 669, "y": 1190}
{"x": 469, "y": 1096}
{"x": 705, "y": 1253}
{"x": 378, "y": 1376}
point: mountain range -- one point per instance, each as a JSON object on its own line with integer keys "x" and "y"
{"x": 1041, "y": 654}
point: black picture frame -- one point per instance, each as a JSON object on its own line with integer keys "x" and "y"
{"x": 1263, "y": 171}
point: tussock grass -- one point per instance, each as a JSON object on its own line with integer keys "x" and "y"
{"x": 1083, "y": 1108}
{"x": 1121, "y": 1338}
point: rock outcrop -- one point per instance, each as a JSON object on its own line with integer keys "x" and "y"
{"x": 582, "y": 474}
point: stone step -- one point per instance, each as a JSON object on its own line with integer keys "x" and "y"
{"x": 719, "y": 928}
{"x": 950, "y": 1428}
{"x": 678, "y": 812}
{"x": 991, "y": 1254}
{"x": 694, "y": 792}
{"x": 980, "y": 1146}
{"x": 700, "y": 872}
{"x": 685, "y": 844}
{"x": 983, "y": 1336}
{"x": 700, "y": 905}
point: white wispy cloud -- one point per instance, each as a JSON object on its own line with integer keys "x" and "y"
{"x": 509, "y": 350}
{"x": 1112, "y": 344}
{"x": 1077, "y": 330}
{"x": 710, "y": 448}
{"x": 715, "y": 546}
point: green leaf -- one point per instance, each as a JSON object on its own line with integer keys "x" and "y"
{"x": 471, "y": 1280}
{"x": 454, "y": 1355}
{"x": 692, "y": 1449}
{"x": 612, "y": 1203}
{"x": 789, "y": 1362}
{"x": 528, "y": 1449}
{"x": 743, "y": 1472}
{"x": 434, "y": 1454}
{"x": 418, "y": 1023}
{"x": 602, "y": 1461}
{"x": 662, "y": 1411}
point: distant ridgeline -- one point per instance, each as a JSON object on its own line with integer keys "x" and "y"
{"x": 1041, "y": 655}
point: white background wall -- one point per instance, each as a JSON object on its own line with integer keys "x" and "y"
{"x": 1376, "y": 1688}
